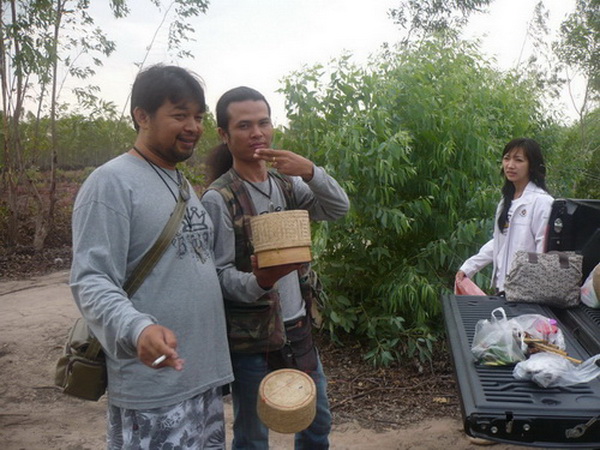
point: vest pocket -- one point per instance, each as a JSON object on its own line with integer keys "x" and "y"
{"x": 254, "y": 327}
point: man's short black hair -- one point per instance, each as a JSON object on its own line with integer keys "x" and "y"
{"x": 158, "y": 83}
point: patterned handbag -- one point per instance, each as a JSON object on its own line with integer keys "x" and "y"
{"x": 552, "y": 278}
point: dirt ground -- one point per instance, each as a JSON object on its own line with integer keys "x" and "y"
{"x": 372, "y": 409}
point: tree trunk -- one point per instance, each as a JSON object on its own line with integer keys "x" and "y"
{"x": 8, "y": 174}
{"x": 13, "y": 217}
{"x": 45, "y": 221}
{"x": 41, "y": 232}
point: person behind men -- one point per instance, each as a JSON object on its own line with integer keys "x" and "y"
{"x": 245, "y": 187}
{"x": 522, "y": 214}
{"x": 177, "y": 312}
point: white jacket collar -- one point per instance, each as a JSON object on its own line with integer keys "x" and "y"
{"x": 533, "y": 188}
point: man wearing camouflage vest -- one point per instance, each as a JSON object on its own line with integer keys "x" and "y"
{"x": 268, "y": 310}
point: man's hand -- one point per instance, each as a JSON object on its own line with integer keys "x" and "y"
{"x": 287, "y": 162}
{"x": 268, "y": 276}
{"x": 155, "y": 341}
{"x": 459, "y": 276}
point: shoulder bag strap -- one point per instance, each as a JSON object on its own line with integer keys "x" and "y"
{"x": 153, "y": 255}
{"x": 94, "y": 349}
{"x": 150, "y": 259}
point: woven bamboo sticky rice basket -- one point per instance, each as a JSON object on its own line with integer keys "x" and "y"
{"x": 281, "y": 238}
{"x": 287, "y": 401}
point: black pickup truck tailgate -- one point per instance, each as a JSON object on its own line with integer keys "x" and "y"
{"x": 496, "y": 406}
{"x": 584, "y": 324}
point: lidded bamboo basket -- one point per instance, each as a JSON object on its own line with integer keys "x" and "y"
{"x": 287, "y": 401}
{"x": 281, "y": 238}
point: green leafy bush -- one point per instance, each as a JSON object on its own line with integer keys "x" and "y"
{"x": 415, "y": 138}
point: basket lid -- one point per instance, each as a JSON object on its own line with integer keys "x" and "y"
{"x": 287, "y": 400}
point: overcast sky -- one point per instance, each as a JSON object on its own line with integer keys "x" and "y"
{"x": 257, "y": 42}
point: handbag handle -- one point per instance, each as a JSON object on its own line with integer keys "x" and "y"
{"x": 563, "y": 259}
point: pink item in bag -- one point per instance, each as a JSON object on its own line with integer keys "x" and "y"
{"x": 467, "y": 287}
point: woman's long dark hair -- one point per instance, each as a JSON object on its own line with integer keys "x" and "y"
{"x": 219, "y": 159}
{"x": 537, "y": 173}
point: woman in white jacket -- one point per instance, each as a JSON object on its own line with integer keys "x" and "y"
{"x": 522, "y": 215}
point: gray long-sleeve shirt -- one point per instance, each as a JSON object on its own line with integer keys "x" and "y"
{"x": 324, "y": 199}
{"x": 119, "y": 212}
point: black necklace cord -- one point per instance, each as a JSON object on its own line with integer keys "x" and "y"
{"x": 256, "y": 188}
{"x": 184, "y": 193}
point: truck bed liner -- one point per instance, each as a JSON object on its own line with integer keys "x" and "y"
{"x": 584, "y": 323}
{"x": 496, "y": 406}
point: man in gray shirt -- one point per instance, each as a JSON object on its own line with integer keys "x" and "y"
{"x": 177, "y": 313}
{"x": 244, "y": 187}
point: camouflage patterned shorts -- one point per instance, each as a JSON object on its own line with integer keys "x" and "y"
{"x": 197, "y": 423}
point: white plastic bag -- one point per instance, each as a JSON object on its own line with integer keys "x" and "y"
{"x": 589, "y": 294}
{"x": 496, "y": 342}
{"x": 550, "y": 370}
{"x": 537, "y": 326}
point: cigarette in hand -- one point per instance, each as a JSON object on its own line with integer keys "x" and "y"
{"x": 158, "y": 360}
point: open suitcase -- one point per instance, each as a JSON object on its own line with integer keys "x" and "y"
{"x": 574, "y": 225}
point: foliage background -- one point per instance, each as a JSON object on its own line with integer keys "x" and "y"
{"x": 416, "y": 140}
{"x": 414, "y": 136}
